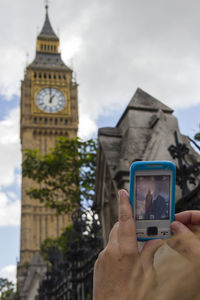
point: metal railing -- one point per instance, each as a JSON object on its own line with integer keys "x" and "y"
{"x": 71, "y": 277}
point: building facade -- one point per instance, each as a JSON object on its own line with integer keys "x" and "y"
{"x": 144, "y": 132}
{"x": 49, "y": 109}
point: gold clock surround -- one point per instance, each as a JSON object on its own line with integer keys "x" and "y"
{"x": 66, "y": 111}
{"x": 61, "y": 84}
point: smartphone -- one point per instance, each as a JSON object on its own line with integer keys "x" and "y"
{"x": 152, "y": 197}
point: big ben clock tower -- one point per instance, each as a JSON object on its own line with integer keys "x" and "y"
{"x": 49, "y": 109}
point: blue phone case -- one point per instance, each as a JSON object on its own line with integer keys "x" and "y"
{"x": 153, "y": 165}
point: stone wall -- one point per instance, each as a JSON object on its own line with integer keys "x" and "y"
{"x": 144, "y": 132}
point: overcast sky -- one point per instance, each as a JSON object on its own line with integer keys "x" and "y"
{"x": 114, "y": 47}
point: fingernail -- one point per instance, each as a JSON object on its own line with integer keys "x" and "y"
{"x": 124, "y": 210}
{"x": 123, "y": 194}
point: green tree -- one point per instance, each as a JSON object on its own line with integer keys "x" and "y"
{"x": 61, "y": 243}
{"x": 6, "y": 288}
{"x": 197, "y": 135}
{"x": 65, "y": 176}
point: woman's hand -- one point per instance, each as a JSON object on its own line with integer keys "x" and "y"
{"x": 119, "y": 269}
{"x": 186, "y": 239}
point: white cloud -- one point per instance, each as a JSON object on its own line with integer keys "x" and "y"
{"x": 11, "y": 195}
{"x": 71, "y": 47}
{"x": 10, "y": 73}
{"x": 9, "y": 210}
{"x": 115, "y": 48}
{"x": 10, "y": 157}
{"x": 18, "y": 179}
{"x": 87, "y": 127}
{"x": 9, "y": 272}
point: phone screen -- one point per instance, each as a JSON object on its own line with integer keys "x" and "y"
{"x": 152, "y": 195}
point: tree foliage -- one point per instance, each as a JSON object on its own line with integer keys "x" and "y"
{"x": 60, "y": 243}
{"x": 197, "y": 135}
{"x": 65, "y": 176}
{"x": 6, "y": 288}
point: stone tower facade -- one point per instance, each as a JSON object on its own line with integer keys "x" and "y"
{"x": 49, "y": 109}
{"x": 144, "y": 132}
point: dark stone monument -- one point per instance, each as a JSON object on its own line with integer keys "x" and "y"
{"x": 145, "y": 131}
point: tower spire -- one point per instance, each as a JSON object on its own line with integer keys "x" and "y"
{"x": 46, "y": 6}
{"x": 47, "y": 31}
{"x": 47, "y": 47}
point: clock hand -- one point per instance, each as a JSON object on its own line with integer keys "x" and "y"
{"x": 51, "y": 98}
{"x": 50, "y": 95}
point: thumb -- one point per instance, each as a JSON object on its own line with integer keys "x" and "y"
{"x": 148, "y": 252}
{"x": 185, "y": 242}
{"x": 178, "y": 227}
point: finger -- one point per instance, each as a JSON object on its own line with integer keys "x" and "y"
{"x": 194, "y": 228}
{"x": 151, "y": 243}
{"x": 125, "y": 210}
{"x": 178, "y": 228}
{"x": 127, "y": 231}
{"x": 148, "y": 252}
{"x": 113, "y": 236}
{"x": 112, "y": 244}
{"x": 113, "y": 231}
{"x": 188, "y": 217}
{"x": 185, "y": 242}
{"x": 147, "y": 258}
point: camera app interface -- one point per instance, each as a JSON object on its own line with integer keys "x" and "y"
{"x": 152, "y": 197}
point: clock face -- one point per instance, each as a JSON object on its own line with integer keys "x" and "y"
{"x": 50, "y": 100}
